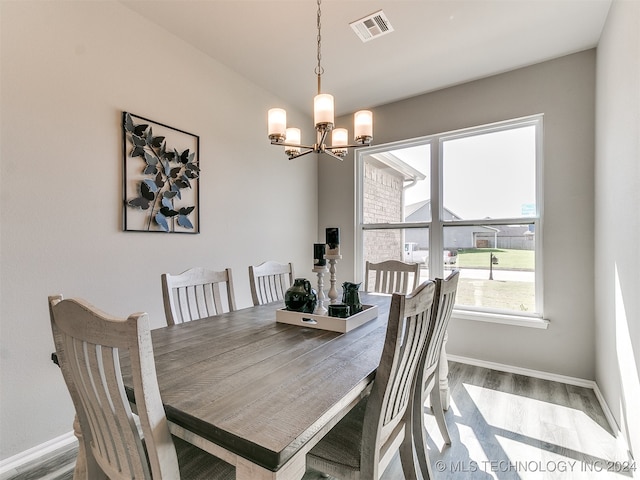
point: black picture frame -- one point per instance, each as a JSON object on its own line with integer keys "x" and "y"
{"x": 161, "y": 177}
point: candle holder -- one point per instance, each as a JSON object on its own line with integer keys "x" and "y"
{"x": 320, "y": 271}
{"x": 333, "y": 291}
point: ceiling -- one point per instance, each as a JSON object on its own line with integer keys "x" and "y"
{"x": 435, "y": 43}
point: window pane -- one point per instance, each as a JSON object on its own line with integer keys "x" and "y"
{"x": 396, "y": 186}
{"x": 497, "y": 271}
{"x": 409, "y": 245}
{"x": 490, "y": 175}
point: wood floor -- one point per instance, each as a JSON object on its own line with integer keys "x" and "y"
{"x": 503, "y": 426}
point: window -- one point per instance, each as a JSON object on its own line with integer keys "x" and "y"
{"x": 468, "y": 199}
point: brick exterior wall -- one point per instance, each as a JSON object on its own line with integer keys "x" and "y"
{"x": 382, "y": 194}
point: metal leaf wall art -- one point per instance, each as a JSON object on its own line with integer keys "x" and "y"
{"x": 160, "y": 181}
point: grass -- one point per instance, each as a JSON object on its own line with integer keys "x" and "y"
{"x": 507, "y": 259}
{"x": 515, "y": 296}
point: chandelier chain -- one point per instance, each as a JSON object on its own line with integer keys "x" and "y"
{"x": 319, "y": 70}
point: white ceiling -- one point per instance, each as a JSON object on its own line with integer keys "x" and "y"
{"x": 436, "y": 43}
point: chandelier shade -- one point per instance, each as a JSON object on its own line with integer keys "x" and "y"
{"x": 323, "y": 117}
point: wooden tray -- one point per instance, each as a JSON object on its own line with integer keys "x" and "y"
{"x": 325, "y": 322}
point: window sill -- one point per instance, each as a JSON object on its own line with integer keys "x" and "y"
{"x": 517, "y": 320}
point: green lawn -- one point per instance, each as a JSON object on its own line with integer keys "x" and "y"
{"x": 515, "y": 296}
{"x": 507, "y": 259}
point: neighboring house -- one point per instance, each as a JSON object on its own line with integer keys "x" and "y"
{"x": 518, "y": 237}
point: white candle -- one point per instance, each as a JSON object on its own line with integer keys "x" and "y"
{"x": 277, "y": 122}
{"x": 323, "y": 108}
{"x": 293, "y": 136}
{"x": 339, "y": 137}
{"x": 363, "y": 124}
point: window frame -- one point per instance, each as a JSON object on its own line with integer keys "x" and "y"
{"x": 437, "y": 224}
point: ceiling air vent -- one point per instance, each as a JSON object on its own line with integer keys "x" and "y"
{"x": 372, "y": 26}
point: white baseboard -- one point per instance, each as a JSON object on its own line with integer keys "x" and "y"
{"x": 554, "y": 377}
{"x": 36, "y": 452}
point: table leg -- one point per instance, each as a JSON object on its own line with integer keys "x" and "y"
{"x": 293, "y": 470}
{"x": 444, "y": 375}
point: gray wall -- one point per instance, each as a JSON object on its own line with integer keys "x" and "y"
{"x": 617, "y": 229}
{"x": 564, "y": 90}
{"x": 68, "y": 71}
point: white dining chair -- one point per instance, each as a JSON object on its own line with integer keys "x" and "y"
{"x": 88, "y": 348}
{"x": 269, "y": 281}
{"x": 363, "y": 443}
{"x": 429, "y": 374}
{"x": 195, "y": 294}
{"x": 391, "y": 276}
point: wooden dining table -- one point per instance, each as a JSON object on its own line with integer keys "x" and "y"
{"x": 258, "y": 393}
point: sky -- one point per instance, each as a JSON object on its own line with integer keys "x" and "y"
{"x": 489, "y": 175}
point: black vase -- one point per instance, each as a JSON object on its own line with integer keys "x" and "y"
{"x": 300, "y": 297}
{"x": 351, "y": 297}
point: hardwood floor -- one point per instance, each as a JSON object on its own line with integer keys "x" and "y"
{"x": 503, "y": 426}
{"x": 509, "y": 426}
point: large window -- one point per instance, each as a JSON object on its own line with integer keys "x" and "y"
{"x": 469, "y": 200}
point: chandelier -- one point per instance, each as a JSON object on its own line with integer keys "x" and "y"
{"x": 323, "y": 114}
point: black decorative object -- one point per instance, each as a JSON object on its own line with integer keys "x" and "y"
{"x": 339, "y": 310}
{"x": 318, "y": 255}
{"x": 300, "y": 297}
{"x": 351, "y": 297}
{"x": 161, "y": 177}
{"x": 333, "y": 237}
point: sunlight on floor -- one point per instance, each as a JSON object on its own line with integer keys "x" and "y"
{"x": 500, "y": 435}
{"x": 552, "y": 423}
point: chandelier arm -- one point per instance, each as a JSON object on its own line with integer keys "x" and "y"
{"x": 297, "y": 145}
{"x": 311, "y": 150}
{"x": 344, "y": 147}
{"x": 331, "y": 154}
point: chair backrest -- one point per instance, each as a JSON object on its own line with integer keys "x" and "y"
{"x": 269, "y": 281}
{"x": 429, "y": 371}
{"x": 444, "y": 300}
{"x": 391, "y": 276}
{"x": 88, "y": 343}
{"x": 195, "y": 294}
{"x": 388, "y": 406}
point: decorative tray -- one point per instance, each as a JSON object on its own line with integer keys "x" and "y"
{"x": 325, "y": 322}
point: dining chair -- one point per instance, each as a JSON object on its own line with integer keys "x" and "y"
{"x": 269, "y": 281}
{"x": 195, "y": 294}
{"x": 88, "y": 348}
{"x": 363, "y": 443}
{"x": 391, "y": 276}
{"x": 429, "y": 374}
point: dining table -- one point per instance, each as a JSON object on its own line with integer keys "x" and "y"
{"x": 260, "y": 394}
